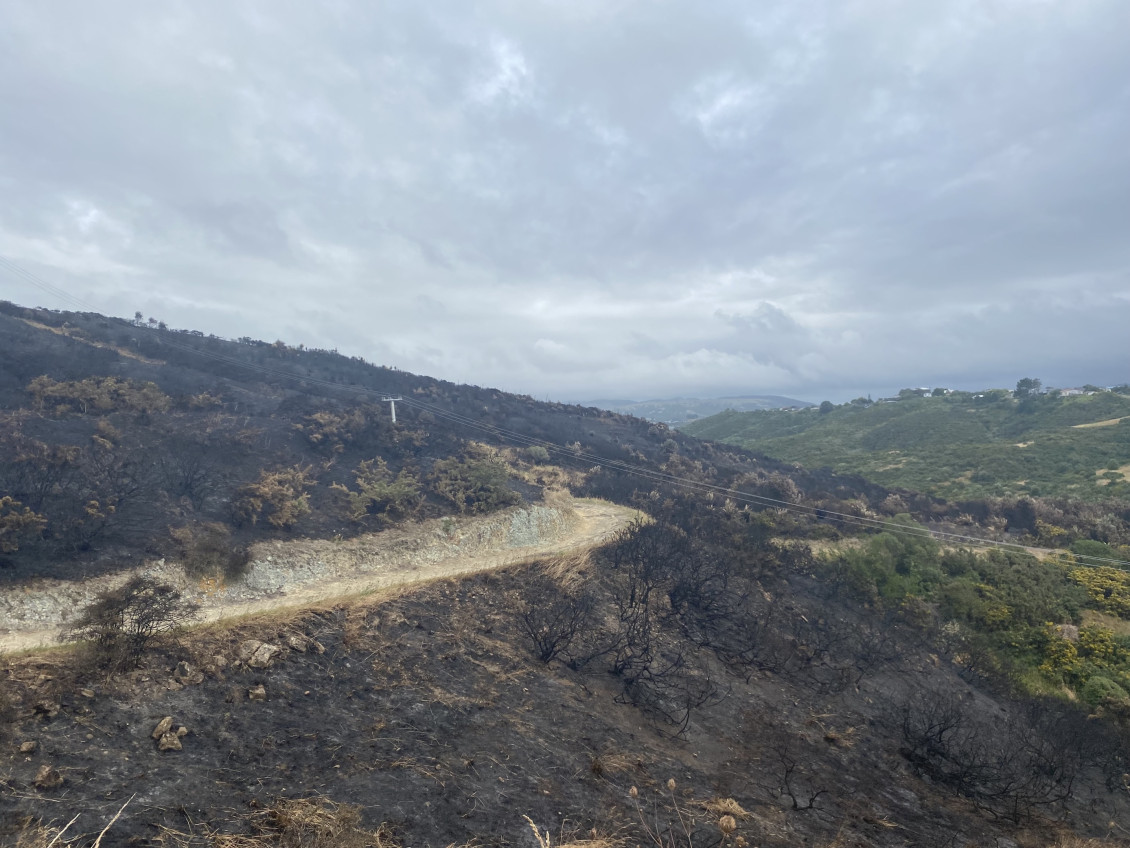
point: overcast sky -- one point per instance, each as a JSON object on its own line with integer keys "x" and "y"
{"x": 589, "y": 198}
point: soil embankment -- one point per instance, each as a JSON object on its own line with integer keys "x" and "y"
{"x": 306, "y": 571}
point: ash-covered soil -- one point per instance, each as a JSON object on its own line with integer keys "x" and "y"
{"x": 429, "y": 711}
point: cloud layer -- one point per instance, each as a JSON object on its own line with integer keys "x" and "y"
{"x": 583, "y": 199}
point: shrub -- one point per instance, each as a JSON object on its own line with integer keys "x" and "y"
{"x": 122, "y": 623}
{"x": 16, "y": 523}
{"x": 536, "y": 453}
{"x": 473, "y": 485}
{"x": 379, "y": 493}
{"x": 206, "y": 551}
{"x": 1109, "y": 588}
{"x": 1100, "y": 690}
{"x": 553, "y": 618}
{"x": 330, "y": 432}
{"x": 98, "y": 394}
{"x": 277, "y": 496}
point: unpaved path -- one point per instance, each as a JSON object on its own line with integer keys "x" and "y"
{"x": 305, "y": 572}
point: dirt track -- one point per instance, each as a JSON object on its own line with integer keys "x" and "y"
{"x": 584, "y": 524}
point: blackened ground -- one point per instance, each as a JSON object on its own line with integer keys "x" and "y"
{"x": 429, "y": 711}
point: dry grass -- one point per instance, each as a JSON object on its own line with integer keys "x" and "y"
{"x": 609, "y": 763}
{"x": 35, "y": 834}
{"x": 1105, "y": 481}
{"x": 544, "y": 840}
{"x": 568, "y": 570}
{"x": 1109, "y": 422}
{"x": 1119, "y": 626}
{"x": 301, "y": 823}
{"x": 725, "y": 807}
{"x": 70, "y": 334}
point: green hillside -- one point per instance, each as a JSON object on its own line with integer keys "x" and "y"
{"x": 956, "y": 446}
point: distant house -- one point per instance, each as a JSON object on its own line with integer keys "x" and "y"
{"x": 1071, "y": 392}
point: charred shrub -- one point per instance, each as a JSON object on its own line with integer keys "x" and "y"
{"x": 553, "y": 618}
{"x": 207, "y": 551}
{"x": 121, "y": 624}
{"x": 1011, "y": 766}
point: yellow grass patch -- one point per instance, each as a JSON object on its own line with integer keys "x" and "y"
{"x": 1123, "y": 471}
{"x": 70, "y": 334}
{"x": 1110, "y": 422}
{"x": 1095, "y": 618}
{"x": 725, "y": 807}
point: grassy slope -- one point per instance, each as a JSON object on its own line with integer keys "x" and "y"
{"x": 954, "y": 447}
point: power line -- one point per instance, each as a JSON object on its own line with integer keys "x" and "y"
{"x": 43, "y": 285}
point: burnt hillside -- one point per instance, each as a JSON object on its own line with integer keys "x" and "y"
{"x": 124, "y": 441}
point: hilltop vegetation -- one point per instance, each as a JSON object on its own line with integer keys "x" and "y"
{"x": 956, "y": 446}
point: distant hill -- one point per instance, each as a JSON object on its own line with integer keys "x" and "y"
{"x": 958, "y": 446}
{"x": 678, "y": 411}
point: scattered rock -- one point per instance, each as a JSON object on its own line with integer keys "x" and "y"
{"x": 187, "y": 675}
{"x": 1070, "y": 632}
{"x": 163, "y": 727}
{"x": 264, "y": 655}
{"x": 169, "y": 742}
{"x": 182, "y": 731}
{"x": 46, "y": 710}
{"x": 258, "y": 654}
{"x": 297, "y": 642}
{"x": 86, "y": 693}
{"x": 302, "y": 643}
{"x": 220, "y": 661}
{"x": 247, "y": 649}
{"x": 257, "y": 693}
{"x": 47, "y": 777}
{"x": 28, "y": 747}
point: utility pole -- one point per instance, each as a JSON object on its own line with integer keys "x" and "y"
{"x": 392, "y": 405}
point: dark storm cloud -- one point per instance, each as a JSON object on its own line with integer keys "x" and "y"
{"x": 590, "y": 198}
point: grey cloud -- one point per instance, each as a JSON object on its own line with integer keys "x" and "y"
{"x": 653, "y": 197}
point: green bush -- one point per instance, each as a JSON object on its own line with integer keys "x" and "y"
{"x": 380, "y": 493}
{"x": 1100, "y": 690}
{"x": 536, "y": 453}
{"x": 473, "y": 485}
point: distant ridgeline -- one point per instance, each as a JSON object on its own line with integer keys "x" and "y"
{"x": 678, "y": 411}
{"x": 955, "y": 445}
